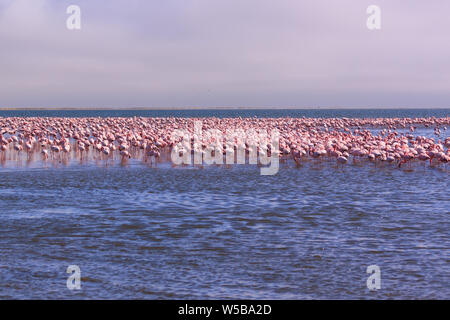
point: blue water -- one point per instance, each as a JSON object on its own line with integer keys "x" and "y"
{"x": 233, "y": 113}
{"x": 159, "y": 232}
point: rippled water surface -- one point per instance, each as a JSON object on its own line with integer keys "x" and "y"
{"x": 214, "y": 232}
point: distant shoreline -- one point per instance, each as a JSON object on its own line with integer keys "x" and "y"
{"x": 215, "y": 108}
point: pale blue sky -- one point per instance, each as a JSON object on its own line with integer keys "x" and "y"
{"x": 181, "y": 53}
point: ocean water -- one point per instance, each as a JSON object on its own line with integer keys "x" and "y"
{"x": 233, "y": 113}
{"x": 140, "y": 232}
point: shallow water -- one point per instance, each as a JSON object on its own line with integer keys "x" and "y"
{"x": 232, "y": 113}
{"x": 160, "y": 232}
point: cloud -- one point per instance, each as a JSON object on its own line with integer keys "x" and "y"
{"x": 178, "y": 53}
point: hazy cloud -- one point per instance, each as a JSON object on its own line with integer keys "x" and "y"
{"x": 177, "y": 53}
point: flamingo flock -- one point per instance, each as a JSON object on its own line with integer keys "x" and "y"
{"x": 300, "y": 139}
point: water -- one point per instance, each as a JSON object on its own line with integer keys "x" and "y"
{"x": 178, "y": 233}
{"x": 232, "y": 113}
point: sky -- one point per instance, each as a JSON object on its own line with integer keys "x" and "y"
{"x": 217, "y": 53}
